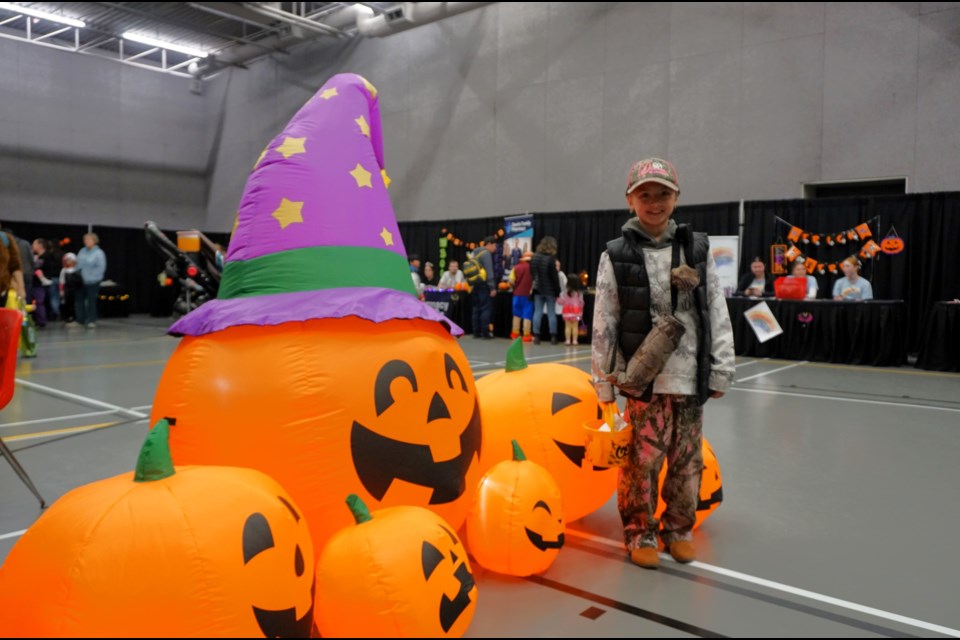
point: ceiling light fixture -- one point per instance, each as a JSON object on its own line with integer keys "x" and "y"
{"x": 153, "y": 42}
{"x": 43, "y": 15}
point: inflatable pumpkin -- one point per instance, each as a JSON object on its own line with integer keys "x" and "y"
{"x": 397, "y": 572}
{"x": 515, "y": 525}
{"x": 332, "y": 376}
{"x": 544, "y": 407}
{"x": 332, "y": 406}
{"x": 164, "y": 552}
{"x": 711, "y": 486}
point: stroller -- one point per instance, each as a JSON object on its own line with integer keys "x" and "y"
{"x": 196, "y": 265}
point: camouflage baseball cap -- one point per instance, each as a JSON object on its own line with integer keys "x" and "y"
{"x": 653, "y": 170}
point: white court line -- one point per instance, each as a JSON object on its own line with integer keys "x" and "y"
{"x": 146, "y": 406}
{"x": 13, "y": 534}
{"x": 839, "y": 399}
{"x": 57, "y": 419}
{"x": 767, "y": 373}
{"x": 776, "y": 586}
{"x": 81, "y": 399}
{"x": 746, "y": 364}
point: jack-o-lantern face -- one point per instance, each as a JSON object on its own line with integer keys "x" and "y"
{"x": 892, "y": 245}
{"x": 331, "y": 407}
{"x": 222, "y": 549}
{"x": 394, "y": 452}
{"x": 575, "y": 453}
{"x": 536, "y": 536}
{"x": 544, "y": 407}
{"x": 266, "y": 554}
{"x": 516, "y": 524}
{"x": 397, "y": 572}
{"x": 434, "y": 561}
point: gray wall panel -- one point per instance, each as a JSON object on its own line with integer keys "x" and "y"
{"x": 510, "y": 108}
{"x": 780, "y": 117}
{"x": 870, "y": 100}
{"x": 704, "y": 126}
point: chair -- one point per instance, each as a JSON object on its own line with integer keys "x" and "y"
{"x": 10, "y": 320}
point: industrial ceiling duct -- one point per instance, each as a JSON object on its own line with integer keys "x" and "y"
{"x": 408, "y": 15}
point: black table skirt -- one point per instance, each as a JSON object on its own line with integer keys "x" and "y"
{"x": 867, "y": 333}
{"x": 940, "y": 343}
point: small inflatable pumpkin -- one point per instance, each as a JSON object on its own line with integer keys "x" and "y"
{"x": 164, "y": 552}
{"x": 544, "y": 407}
{"x": 399, "y": 572}
{"x": 515, "y": 525}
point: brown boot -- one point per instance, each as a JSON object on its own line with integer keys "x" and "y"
{"x": 683, "y": 551}
{"x": 646, "y": 557}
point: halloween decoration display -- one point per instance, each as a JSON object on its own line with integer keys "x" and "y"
{"x": 711, "y": 486}
{"x": 164, "y": 552}
{"x": 544, "y": 408}
{"x": 892, "y": 244}
{"x": 399, "y": 572}
{"x": 332, "y": 376}
{"x": 515, "y": 525}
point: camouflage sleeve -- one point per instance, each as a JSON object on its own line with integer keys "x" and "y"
{"x": 606, "y": 356}
{"x": 722, "y": 358}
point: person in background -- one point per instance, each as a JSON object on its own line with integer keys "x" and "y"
{"x": 799, "y": 270}
{"x": 44, "y": 275}
{"x": 544, "y": 267}
{"x": 69, "y": 283}
{"x": 658, "y": 278}
{"x": 92, "y": 262}
{"x": 572, "y": 304}
{"x": 429, "y": 277}
{"x": 11, "y": 269}
{"x": 414, "y": 261}
{"x": 522, "y": 282}
{"x": 484, "y": 292}
{"x": 452, "y": 276}
{"x": 851, "y": 286}
{"x": 25, "y": 253}
{"x": 757, "y": 283}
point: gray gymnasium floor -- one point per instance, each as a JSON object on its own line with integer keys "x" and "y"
{"x": 839, "y": 515}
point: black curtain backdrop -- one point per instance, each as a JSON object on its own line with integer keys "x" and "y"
{"x": 131, "y": 262}
{"x": 581, "y": 235}
{"x": 927, "y": 270}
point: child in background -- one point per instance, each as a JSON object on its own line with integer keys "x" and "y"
{"x": 70, "y": 282}
{"x": 572, "y": 303}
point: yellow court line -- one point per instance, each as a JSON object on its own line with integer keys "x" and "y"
{"x": 57, "y": 432}
{"x": 27, "y": 372}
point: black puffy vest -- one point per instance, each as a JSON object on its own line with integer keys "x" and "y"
{"x": 633, "y": 288}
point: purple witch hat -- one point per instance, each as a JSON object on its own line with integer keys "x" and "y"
{"x": 316, "y": 236}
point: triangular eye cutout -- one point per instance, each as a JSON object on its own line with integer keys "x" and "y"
{"x": 561, "y": 401}
{"x": 257, "y": 536}
{"x": 430, "y": 558}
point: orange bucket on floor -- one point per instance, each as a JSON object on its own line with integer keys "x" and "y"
{"x": 606, "y": 448}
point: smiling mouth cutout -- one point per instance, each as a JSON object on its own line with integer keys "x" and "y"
{"x": 380, "y": 460}
{"x": 537, "y": 540}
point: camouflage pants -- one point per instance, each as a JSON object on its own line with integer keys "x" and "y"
{"x": 669, "y": 427}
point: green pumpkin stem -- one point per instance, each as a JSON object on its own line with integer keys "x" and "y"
{"x": 360, "y": 512}
{"x": 154, "y": 462}
{"x": 518, "y": 454}
{"x": 515, "y": 359}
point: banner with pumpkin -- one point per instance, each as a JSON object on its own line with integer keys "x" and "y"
{"x": 801, "y": 240}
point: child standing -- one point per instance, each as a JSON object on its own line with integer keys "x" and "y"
{"x": 572, "y": 303}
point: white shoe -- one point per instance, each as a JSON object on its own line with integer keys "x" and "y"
{"x": 91, "y": 325}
